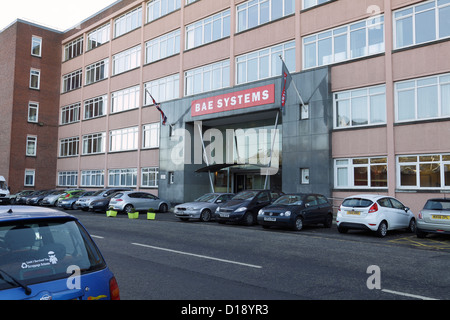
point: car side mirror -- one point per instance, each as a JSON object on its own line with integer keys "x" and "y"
{"x": 218, "y": 201}
{"x": 406, "y": 209}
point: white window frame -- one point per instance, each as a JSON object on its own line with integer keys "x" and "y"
{"x": 163, "y": 89}
{"x": 121, "y": 177}
{"x": 128, "y": 22}
{"x": 97, "y": 71}
{"x": 125, "y": 99}
{"x": 126, "y": 60}
{"x": 68, "y": 178}
{"x": 101, "y": 35}
{"x": 126, "y": 139}
{"x": 36, "y": 42}
{"x": 159, "y": 8}
{"x": 162, "y": 47}
{"x": 35, "y": 73}
{"x": 204, "y": 77}
{"x": 72, "y": 81}
{"x": 313, "y": 3}
{"x": 205, "y": 29}
{"x": 71, "y": 113}
{"x": 150, "y": 175}
{"x": 94, "y": 143}
{"x": 349, "y": 165}
{"x": 69, "y": 147}
{"x": 92, "y": 178}
{"x": 31, "y": 146}
{"x": 73, "y": 49}
{"x": 150, "y": 134}
{"x": 32, "y": 174}
{"x": 95, "y": 107}
{"x": 33, "y": 106}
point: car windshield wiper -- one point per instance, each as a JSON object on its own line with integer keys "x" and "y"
{"x": 14, "y": 281}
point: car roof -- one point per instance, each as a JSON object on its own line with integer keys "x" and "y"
{"x": 15, "y": 213}
{"x": 368, "y": 196}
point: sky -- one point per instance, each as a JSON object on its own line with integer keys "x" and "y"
{"x": 56, "y": 14}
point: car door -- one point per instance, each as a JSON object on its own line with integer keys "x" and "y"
{"x": 401, "y": 215}
{"x": 324, "y": 207}
{"x": 150, "y": 201}
{"x": 262, "y": 200}
{"x": 311, "y": 213}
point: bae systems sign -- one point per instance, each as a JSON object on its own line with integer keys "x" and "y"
{"x": 235, "y": 100}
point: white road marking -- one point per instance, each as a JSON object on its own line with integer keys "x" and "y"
{"x": 407, "y": 294}
{"x": 199, "y": 256}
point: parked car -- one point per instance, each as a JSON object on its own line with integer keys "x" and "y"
{"x": 101, "y": 204}
{"x": 70, "y": 203}
{"x": 41, "y": 248}
{"x": 84, "y": 202}
{"x": 203, "y": 207}
{"x": 434, "y": 218}
{"x": 52, "y": 198}
{"x": 296, "y": 210}
{"x": 375, "y": 213}
{"x": 244, "y": 206}
{"x": 14, "y": 197}
{"x": 22, "y": 199}
{"x": 37, "y": 199}
{"x": 139, "y": 201}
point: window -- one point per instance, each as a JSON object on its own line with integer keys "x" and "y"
{"x": 72, "y": 81}
{"x": 98, "y": 37}
{"x": 163, "y": 89}
{"x": 190, "y": 1}
{"x": 29, "y": 180}
{"x": 31, "y": 146}
{"x": 265, "y": 63}
{"x": 68, "y": 178}
{"x": 123, "y": 139}
{"x": 97, "y": 71}
{"x": 360, "y": 173}
{"x": 359, "y": 39}
{"x": 159, "y": 8}
{"x": 207, "y": 78}
{"x": 73, "y": 49}
{"x": 311, "y": 3}
{"x": 33, "y": 112}
{"x": 423, "y": 98}
{"x": 421, "y": 23}
{"x": 35, "y": 79}
{"x": 122, "y": 178}
{"x": 92, "y": 178}
{"x": 125, "y": 99}
{"x": 36, "y": 46}
{"x": 96, "y": 107}
{"x": 71, "y": 113}
{"x": 94, "y": 143}
{"x": 150, "y": 138}
{"x": 162, "y": 47}
{"x": 359, "y": 107}
{"x": 127, "y": 60}
{"x": 69, "y": 147}
{"x": 423, "y": 171}
{"x": 149, "y": 177}
{"x": 256, "y": 12}
{"x": 207, "y": 30}
{"x": 128, "y": 22}
{"x": 304, "y": 176}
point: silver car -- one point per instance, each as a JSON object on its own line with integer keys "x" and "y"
{"x": 84, "y": 202}
{"x": 434, "y": 218}
{"x": 50, "y": 200}
{"x": 139, "y": 201}
{"x": 201, "y": 208}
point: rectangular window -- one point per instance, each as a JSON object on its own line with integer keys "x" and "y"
{"x": 71, "y": 113}
{"x": 359, "y": 39}
{"x": 149, "y": 177}
{"x": 36, "y": 46}
{"x": 123, "y": 139}
{"x": 163, "y": 89}
{"x": 421, "y": 23}
{"x": 31, "y": 146}
{"x": 33, "y": 112}
{"x": 207, "y": 30}
{"x": 150, "y": 137}
{"x": 125, "y": 99}
{"x": 253, "y": 13}
{"x": 128, "y": 22}
{"x": 360, "y": 173}
{"x": 72, "y": 81}
{"x": 311, "y": 3}
{"x": 35, "y": 79}
{"x": 360, "y": 107}
{"x": 96, "y": 107}
{"x": 73, "y": 49}
{"x": 162, "y": 47}
{"x": 127, "y": 60}
{"x": 97, "y": 71}
{"x": 67, "y": 178}
{"x": 159, "y": 8}
{"x": 207, "y": 78}
{"x": 423, "y": 98}
{"x": 98, "y": 37}
{"x": 94, "y": 143}
{"x": 69, "y": 147}
{"x": 29, "y": 180}
{"x": 264, "y": 63}
{"x": 423, "y": 171}
{"x": 92, "y": 178}
{"x": 122, "y": 178}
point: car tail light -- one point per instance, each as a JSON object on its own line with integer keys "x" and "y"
{"x": 118, "y": 199}
{"x": 373, "y": 208}
{"x": 67, "y": 195}
{"x": 420, "y": 216}
{"x": 114, "y": 289}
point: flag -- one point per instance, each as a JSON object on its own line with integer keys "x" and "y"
{"x": 163, "y": 116}
{"x": 285, "y": 83}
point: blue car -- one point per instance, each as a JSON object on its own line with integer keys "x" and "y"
{"x": 46, "y": 254}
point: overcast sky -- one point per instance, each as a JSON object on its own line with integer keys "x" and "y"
{"x": 56, "y": 14}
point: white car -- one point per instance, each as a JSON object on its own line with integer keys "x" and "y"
{"x": 375, "y": 213}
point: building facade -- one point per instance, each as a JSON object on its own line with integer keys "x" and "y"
{"x": 368, "y": 110}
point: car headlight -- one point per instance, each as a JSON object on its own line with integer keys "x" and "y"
{"x": 190, "y": 208}
{"x": 261, "y": 212}
{"x": 287, "y": 213}
{"x": 240, "y": 209}
{"x": 218, "y": 209}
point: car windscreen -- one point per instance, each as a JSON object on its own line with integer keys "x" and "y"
{"x": 294, "y": 200}
{"x": 43, "y": 250}
{"x": 357, "y": 203}
{"x": 209, "y": 197}
{"x": 245, "y": 195}
{"x": 437, "y": 204}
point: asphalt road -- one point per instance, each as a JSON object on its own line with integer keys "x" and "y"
{"x": 166, "y": 259}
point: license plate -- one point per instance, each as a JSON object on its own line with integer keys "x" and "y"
{"x": 440, "y": 217}
{"x": 355, "y": 213}
{"x": 270, "y": 219}
{"x": 224, "y": 215}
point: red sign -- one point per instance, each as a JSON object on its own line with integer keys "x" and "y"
{"x": 235, "y": 100}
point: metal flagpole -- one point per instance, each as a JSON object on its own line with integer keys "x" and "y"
{"x": 206, "y": 158}
{"x": 295, "y": 87}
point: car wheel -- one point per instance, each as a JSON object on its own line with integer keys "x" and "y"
{"x": 249, "y": 219}
{"x": 298, "y": 224}
{"x": 412, "y": 226}
{"x": 74, "y": 206}
{"x": 382, "y": 229}
{"x": 128, "y": 208}
{"x": 163, "y": 208}
{"x": 328, "y": 221}
{"x": 205, "y": 215}
{"x": 342, "y": 229}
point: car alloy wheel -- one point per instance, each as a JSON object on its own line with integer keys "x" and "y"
{"x": 249, "y": 219}
{"x": 163, "y": 208}
{"x": 205, "y": 215}
{"x": 298, "y": 224}
{"x": 128, "y": 208}
{"x": 382, "y": 229}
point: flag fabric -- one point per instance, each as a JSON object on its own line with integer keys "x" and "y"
{"x": 285, "y": 83}
{"x": 163, "y": 116}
